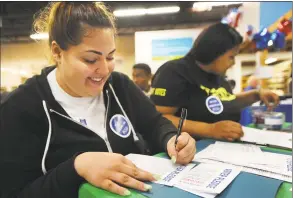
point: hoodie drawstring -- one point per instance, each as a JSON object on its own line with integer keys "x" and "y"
{"x": 48, "y": 138}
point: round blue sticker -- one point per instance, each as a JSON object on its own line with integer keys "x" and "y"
{"x": 214, "y": 105}
{"x": 119, "y": 125}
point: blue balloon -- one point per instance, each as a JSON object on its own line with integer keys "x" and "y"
{"x": 262, "y": 38}
{"x": 278, "y": 39}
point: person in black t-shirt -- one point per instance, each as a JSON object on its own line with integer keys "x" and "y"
{"x": 197, "y": 82}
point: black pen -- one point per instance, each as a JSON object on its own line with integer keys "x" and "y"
{"x": 180, "y": 125}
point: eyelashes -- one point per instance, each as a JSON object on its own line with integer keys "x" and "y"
{"x": 90, "y": 61}
{"x": 94, "y": 61}
{"x": 110, "y": 58}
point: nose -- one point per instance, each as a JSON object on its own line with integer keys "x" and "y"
{"x": 103, "y": 67}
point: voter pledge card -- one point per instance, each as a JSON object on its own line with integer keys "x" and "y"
{"x": 170, "y": 178}
{"x": 209, "y": 178}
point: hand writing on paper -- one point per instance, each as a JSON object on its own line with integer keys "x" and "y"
{"x": 268, "y": 97}
{"x": 185, "y": 148}
{"x": 108, "y": 170}
{"x": 227, "y": 130}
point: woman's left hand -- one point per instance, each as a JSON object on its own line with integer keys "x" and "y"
{"x": 185, "y": 148}
{"x": 270, "y": 99}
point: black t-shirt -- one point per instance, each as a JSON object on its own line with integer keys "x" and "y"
{"x": 207, "y": 97}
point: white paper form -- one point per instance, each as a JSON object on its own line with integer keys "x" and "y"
{"x": 276, "y": 163}
{"x": 240, "y": 152}
{"x": 253, "y": 171}
{"x": 278, "y": 166}
{"x": 208, "y": 178}
{"x": 265, "y": 137}
{"x": 238, "y": 147}
{"x": 174, "y": 176}
{"x": 233, "y": 153}
{"x": 251, "y": 157}
{"x": 168, "y": 171}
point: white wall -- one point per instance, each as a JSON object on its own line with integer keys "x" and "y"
{"x": 21, "y": 60}
{"x": 143, "y": 43}
{"x": 250, "y": 16}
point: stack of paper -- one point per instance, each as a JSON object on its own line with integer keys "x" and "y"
{"x": 268, "y": 138}
{"x": 248, "y": 157}
{"x": 206, "y": 180}
{"x": 169, "y": 172}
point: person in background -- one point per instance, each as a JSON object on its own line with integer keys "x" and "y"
{"x": 141, "y": 76}
{"x": 197, "y": 82}
{"x": 74, "y": 122}
{"x": 252, "y": 83}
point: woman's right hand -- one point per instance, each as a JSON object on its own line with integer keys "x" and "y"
{"x": 227, "y": 130}
{"x": 110, "y": 170}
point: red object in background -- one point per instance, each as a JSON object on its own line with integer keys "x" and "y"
{"x": 233, "y": 17}
{"x": 249, "y": 32}
{"x": 237, "y": 18}
{"x": 285, "y": 26}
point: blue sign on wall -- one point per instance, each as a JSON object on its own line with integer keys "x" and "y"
{"x": 167, "y": 49}
{"x": 270, "y": 12}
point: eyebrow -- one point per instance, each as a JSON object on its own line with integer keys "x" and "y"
{"x": 100, "y": 53}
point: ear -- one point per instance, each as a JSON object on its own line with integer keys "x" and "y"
{"x": 150, "y": 76}
{"x": 56, "y": 52}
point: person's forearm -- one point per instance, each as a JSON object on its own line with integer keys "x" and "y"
{"x": 248, "y": 98}
{"x": 200, "y": 129}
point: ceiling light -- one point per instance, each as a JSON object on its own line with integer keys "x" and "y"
{"x": 143, "y": 11}
{"x": 130, "y": 12}
{"x": 163, "y": 10}
{"x": 200, "y": 7}
{"x": 270, "y": 60}
{"x": 207, "y": 6}
{"x": 39, "y": 36}
{"x": 23, "y": 72}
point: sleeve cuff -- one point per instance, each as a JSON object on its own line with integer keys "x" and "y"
{"x": 70, "y": 179}
{"x": 166, "y": 139}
